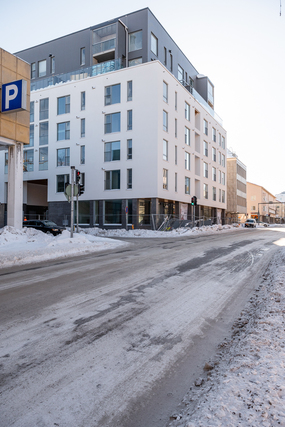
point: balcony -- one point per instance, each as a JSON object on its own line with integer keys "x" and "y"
{"x": 95, "y": 70}
{"x": 103, "y": 47}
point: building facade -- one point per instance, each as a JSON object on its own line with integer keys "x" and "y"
{"x": 236, "y": 188}
{"x": 122, "y": 103}
{"x": 261, "y": 204}
{"x": 14, "y": 134}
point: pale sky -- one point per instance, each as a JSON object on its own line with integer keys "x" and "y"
{"x": 238, "y": 44}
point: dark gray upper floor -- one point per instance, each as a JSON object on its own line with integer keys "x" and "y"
{"x": 128, "y": 40}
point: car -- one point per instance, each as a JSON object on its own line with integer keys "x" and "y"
{"x": 44, "y": 225}
{"x": 265, "y": 224}
{"x": 250, "y": 223}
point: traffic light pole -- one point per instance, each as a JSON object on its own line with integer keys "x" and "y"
{"x": 193, "y": 207}
{"x": 71, "y": 200}
{"x": 77, "y": 212}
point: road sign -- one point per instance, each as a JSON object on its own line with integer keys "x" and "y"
{"x": 14, "y": 96}
{"x": 127, "y": 210}
{"x": 67, "y": 191}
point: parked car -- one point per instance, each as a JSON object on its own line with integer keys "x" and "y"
{"x": 250, "y": 223}
{"x": 44, "y": 225}
{"x": 265, "y": 224}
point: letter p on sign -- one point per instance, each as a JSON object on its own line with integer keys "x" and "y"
{"x": 14, "y": 96}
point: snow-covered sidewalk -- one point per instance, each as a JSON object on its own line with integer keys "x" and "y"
{"x": 245, "y": 384}
{"x": 18, "y": 247}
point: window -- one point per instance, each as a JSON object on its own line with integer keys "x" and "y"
{"x": 82, "y": 128}
{"x": 111, "y": 151}
{"x": 129, "y": 149}
{"x": 165, "y": 92}
{"x": 220, "y": 158}
{"x": 175, "y": 101}
{"x": 187, "y": 185}
{"x": 165, "y": 56}
{"x": 187, "y": 161}
{"x": 130, "y": 91}
{"x": 82, "y": 101}
{"x": 63, "y": 105}
{"x": 43, "y": 133}
{"x": 175, "y": 182}
{"x": 205, "y": 191}
{"x": 175, "y": 154}
{"x": 187, "y": 136}
{"x": 6, "y": 163}
{"x": 42, "y": 68}
{"x": 33, "y": 70}
{"x": 32, "y": 110}
{"x": 253, "y": 208}
{"x": 52, "y": 64}
{"x": 223, "y": 142}
{"x": 28, "y": 160}
{"x": 223, "y": 196}
{"x": 61, "y": 182}
{"x": 165, "y": 179}
{"x": 210, "y": 93}
{"x": 112, "y": 122}
{"x": 129, "y": 119}
{"x": 165, "y": 121}
{"x": 135, "y": 61}
{"x": 112, "y": 180}
{"x": 214, "y": 134}
{"x": 129, "y": 179}
{"x": 165, "y": 150}
{"x": 220, "y": 139}
{"x": 187, "y": 111}
{"x": 82, "y": 154}
{"x": 44, "y": 105}
{"x": 205, "y": 148}
{"x": 180, "y": 74}
{"x": 220, "y": 177}
{"x": 175, "y": 128}
{"x": 220, "y": 195}
{"x": 63, "y": 157}
{"x": 113, "y": 212}
{"x": 82, "y": 56}
{"x": 171, "y": 63}
{"x": 214, "y": 154}
{"x": 205, "y": 127}
{"x": 113, "y": 94}
{"x": 63, "y": 131}
{"x": 223, "y": 160}
{"x": 153, "y": 44}
{"x": 214, "y": 174}
{"x": 205, "y": 170}
{"x": 32, "y": 135}
{"x": 214, "y": 193}
{"x": 135, "y": 41}
{"x": 43, "y": 158}
{"x": 223, "y": 178}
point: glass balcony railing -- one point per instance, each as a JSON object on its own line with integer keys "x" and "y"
{"x": 95, "y": 70}
{"x": 104, "y": 46}
{"x": 202, "y": 101}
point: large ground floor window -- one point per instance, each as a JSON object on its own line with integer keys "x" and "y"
{"x": 113, "y": 212}
{"x": 144, "y": 211}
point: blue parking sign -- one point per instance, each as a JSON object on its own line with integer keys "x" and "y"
{"x": 14, "y": 96}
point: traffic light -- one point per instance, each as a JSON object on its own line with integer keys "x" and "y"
{"x": 77, "y": 176}
{"x": 80, "y": 189}
{"x": 192, "y": 201}
{"x": 195, "y": 200}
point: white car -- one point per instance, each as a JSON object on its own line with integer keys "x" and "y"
{"x": 250, "y": 223}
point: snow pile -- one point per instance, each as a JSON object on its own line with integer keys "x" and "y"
{"x": 29, "y": 245}
{"x": 246, "y": 385}
{"x": 151, "y": 233}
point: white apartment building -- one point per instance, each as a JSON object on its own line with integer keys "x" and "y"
{"x": 141, "y": 139}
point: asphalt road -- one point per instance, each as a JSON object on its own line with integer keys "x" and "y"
{"x": 117, "y": 338}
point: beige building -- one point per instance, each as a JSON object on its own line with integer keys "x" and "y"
{"x": 261, "y": 204}
{"x": 236, "y": 188}
{"x": 14, "y": 131}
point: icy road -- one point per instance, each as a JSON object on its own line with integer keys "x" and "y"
{"x": 116, "y": 338}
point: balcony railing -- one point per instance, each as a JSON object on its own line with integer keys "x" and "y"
{"x": 95, "y": 70}
{"x": 104, "y": 46}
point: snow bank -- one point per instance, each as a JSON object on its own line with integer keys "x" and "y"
{"x": 245, "y": 385}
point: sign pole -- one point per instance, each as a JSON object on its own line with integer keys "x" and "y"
{"x": 77, "y": 211}
{"x": 72, "y": 206}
